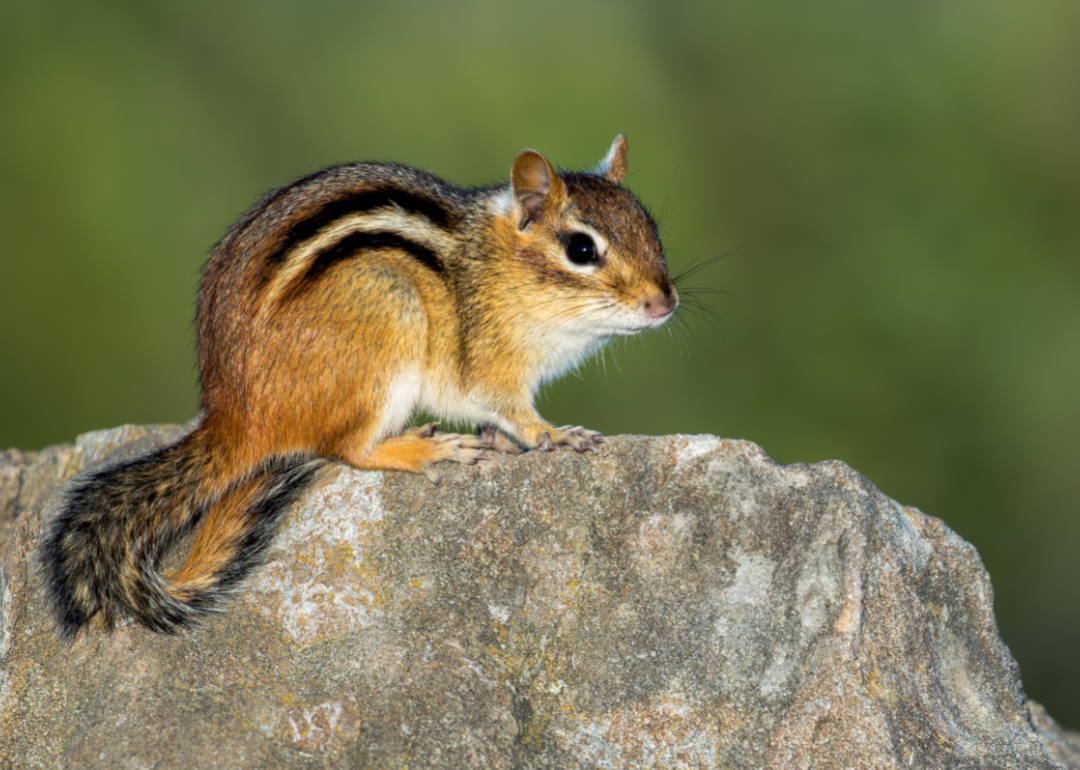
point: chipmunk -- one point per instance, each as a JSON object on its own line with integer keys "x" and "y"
{"x": 334, "y": 309}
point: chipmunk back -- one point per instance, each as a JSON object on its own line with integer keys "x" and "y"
{"x": 332, "y": 311}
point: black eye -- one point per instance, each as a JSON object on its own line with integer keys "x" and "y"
{"x": 580, "y": 249}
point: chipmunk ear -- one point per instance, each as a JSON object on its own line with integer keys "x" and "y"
{"x": 534, "y": 186}
{"x": 614, "y": 165}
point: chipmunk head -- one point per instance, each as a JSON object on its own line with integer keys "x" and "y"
{"x": 584, "y": 236}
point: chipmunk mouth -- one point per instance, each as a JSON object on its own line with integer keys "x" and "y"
{"x": 624, "y": 323}
{"x": 629, "y": 329}
{"x": 650, "y": 322}
{"x": 631, "y": 326}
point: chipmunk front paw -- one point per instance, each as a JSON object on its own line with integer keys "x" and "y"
{"x": 574, "y": 436}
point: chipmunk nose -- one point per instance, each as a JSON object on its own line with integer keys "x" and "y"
{"x": 660, "y": 305}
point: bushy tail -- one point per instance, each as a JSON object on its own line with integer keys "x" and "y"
{"x": 101, "y": 553}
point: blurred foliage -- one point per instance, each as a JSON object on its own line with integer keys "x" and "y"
{"x": 901, "y": 180}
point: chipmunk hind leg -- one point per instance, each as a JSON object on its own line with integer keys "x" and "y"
{"x": 381, "y": 446}
{"x": 381, "y": 360}
{"x": 420, "y": 449}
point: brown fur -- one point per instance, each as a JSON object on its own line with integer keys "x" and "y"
{"x": 334, "y": 309}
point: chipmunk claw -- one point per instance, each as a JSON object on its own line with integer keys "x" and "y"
{"x": 432, "y": 475}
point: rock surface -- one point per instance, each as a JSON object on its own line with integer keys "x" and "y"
{"x": 675, "y": 602}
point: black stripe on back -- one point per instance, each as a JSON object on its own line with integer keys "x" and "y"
{"x": 348, "y": 247}
{"x": 368, "y": 200}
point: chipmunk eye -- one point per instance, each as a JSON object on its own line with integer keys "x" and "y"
{"x": 580, "y": 249}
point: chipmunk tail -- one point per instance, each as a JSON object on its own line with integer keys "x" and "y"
{"x": 100, "y": 554}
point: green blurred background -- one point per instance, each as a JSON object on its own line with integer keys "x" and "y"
{"x": 903, "y": 179}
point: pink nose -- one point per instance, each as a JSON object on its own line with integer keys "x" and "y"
{"x": 660, "y": 305}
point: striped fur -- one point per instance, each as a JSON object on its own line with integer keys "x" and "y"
{"x": 100, "y": 554}
{"x": 355, "y": 204}
{"x": 331, "y": 312}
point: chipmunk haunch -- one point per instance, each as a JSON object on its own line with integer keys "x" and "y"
{"x": 332, "y": 311}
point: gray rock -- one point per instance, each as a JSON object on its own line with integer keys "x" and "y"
{"x": 25, "y": 477}
{"x": 675, "y": 602}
